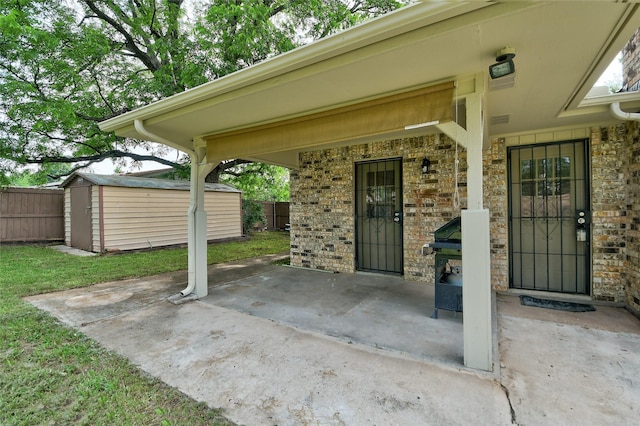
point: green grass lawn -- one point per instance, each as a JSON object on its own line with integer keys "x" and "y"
{"x": 53, "y": 374}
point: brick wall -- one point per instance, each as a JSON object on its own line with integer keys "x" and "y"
{"x": 322, "y": 201}
{"x": 631, "y": 63}
{"x": 321, "y": 210}
{"x": 609, "y": 211}
{"x": 496, "y": 200}
{"x": 615, "y": 171}
{"x": 429, "y": 199}
{"x": 630, "y": 275}
{"x": 632, "y": 287}
{"x": 322, "y": 206}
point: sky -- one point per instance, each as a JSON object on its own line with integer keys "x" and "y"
{"x": 612, "y": 73}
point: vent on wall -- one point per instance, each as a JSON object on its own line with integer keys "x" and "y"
{"x": 505, "y": 82}
{"x": 499, "y": 119}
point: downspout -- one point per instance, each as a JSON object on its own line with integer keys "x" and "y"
{"x": 139, "y": 126}
{"x": 191, "y": 213}
{"x": 618, "y": 113}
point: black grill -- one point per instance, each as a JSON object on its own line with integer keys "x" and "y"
{"x": 448, "y": 266}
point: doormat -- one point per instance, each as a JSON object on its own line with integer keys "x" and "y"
{"x": 555, "y": 304}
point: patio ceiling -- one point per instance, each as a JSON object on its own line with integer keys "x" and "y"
{"x": 561, "y": 50}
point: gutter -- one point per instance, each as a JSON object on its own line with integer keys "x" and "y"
{"x": 618, "y": 113}
{"x": 152, "y": 137}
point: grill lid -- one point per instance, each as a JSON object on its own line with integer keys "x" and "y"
{"x": 448, "y": 239}
{"x": 450, "y": 232}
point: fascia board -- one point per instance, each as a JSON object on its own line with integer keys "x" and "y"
{"x": 601, "y": 104}
{"x": 609, "y": 99}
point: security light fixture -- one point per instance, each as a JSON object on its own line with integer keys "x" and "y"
{"x": 426, "y": 166}
{"x": 504, "y": 63}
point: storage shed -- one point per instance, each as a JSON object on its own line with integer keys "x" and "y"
{"x": 111, "y": 212}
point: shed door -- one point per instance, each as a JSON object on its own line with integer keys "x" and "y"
{"x": 549, "y": 244}
{"x": 81, "y": 217}
{"x": 379, "y": 216}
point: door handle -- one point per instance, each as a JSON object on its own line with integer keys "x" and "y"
{"x": 582, "y": 221}
{"x": 397, "y": 217}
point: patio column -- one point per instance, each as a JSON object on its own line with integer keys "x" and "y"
{"x": 196, "y": 215}
{"x": 476, "y": 254}
{"x": 197, "y": 226}
{"x": 477, "y": 313}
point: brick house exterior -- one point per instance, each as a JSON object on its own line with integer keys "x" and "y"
{"x": 616, "y": 191}
{"x": 322, "y": 205}
{"x": 631, "y": 63}
{"x": 334, "y": 108}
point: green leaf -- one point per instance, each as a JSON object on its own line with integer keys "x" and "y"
{"x": 65, "y": 66}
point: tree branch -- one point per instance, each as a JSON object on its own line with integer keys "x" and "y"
{"x": 148, "y": 60}
{"x": 66, "y": 140}
{"x": 73, "y": 169}
{"x": 104, "y": 99}
{"x": 99, "y": 119}
{"x": 114, "y": 153}
{"x": 356, "y": 6}
{"x": 223, "y": 167}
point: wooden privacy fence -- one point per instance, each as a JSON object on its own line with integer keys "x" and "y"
{"x": 31, "y": 215}
{"x": 276, "y": 213}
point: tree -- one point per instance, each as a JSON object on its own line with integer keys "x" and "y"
{"x": 252, "y": 213}
{"x": 42, "y": 176}
{"x": 65, "y": 66}
{"x": 261, "y": 182}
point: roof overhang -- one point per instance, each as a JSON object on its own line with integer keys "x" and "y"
{"x": 561, "y": 50}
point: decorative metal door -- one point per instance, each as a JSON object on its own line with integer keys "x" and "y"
{"x": 549, "y": 218}
{"x": 379, "y": 216}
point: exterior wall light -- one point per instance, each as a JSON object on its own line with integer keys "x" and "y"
{"x": 504, "y": 63}
{"x": 426, "y": 166}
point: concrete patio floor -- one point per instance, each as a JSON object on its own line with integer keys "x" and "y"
{"x": 278, "y": 345}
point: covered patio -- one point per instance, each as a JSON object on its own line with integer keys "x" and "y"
{"x": 419, "y": 70}
{"x": 383, "y": 312}
{"x": 277, "y": 345}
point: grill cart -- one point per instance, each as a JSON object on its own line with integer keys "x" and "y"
{"x": 448, "y": 266}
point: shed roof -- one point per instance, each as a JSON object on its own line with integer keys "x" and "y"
{"x": 140, "y": 182}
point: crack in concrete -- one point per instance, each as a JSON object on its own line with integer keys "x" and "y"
{"x": 113, "y": 316}
{"x": 513, "y": 412}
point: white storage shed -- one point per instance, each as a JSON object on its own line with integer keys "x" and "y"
{"x": 112, "y": 212}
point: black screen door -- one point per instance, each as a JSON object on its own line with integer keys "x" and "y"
{"x": 548, "y": 194}
{"x": 379, "y": 216}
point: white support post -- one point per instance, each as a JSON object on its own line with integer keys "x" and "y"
{"x": 196, "y": 216}
{"x": 475, "y": 134}
{"x": 476, "y": 250}
{"x": 477, "y": 313}
{"x": 476, "y": 290}
{"x": 197, "y": 227}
